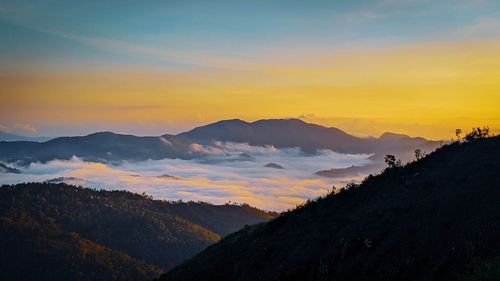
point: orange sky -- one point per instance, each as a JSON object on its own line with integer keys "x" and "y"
{"x": 421, "y": 89}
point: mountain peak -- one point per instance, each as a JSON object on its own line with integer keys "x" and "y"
{"x": 389, "y": 135}
{"x": 281, "y": 121}
{"x": 103, "y": 133}
{"x": 234, "y": 121}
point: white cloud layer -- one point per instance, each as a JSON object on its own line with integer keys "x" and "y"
{"x": 230, "y": 172}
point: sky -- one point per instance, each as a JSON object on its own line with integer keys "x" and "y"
{"x": 417, "y": 67}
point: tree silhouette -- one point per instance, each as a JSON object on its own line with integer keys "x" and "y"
{"x": 458, "y": 132}
{"x": 391, "y": 161}
{"x": 419, "y": 154}
{"x": 478, "y": 133}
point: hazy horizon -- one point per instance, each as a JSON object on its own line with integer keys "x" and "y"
{"x": 18, "y": 129}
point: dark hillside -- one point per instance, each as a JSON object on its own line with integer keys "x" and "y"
{"x": 435, "y": 219}
{"x": 31, "y": 251}
{"x": 118, "y": 224}
{"x": 221, "y": 219}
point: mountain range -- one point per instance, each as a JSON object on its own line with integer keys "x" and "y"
{"x": 432, "y": 219}
{"x": 280, "y": 133}
{"x": 4, "y": 136}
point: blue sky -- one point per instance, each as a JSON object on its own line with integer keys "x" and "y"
{"x": 49, "y": 30}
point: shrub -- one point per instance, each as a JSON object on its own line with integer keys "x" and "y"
{"x": 478, "y": 133}
{"x": 392, "y": 162}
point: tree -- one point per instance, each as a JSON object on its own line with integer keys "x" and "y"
{"x": 458, "y": 132}
{"x": 419, "y": 154}
{"x": 478, "y": 133}
{"x": 391, "y": 161}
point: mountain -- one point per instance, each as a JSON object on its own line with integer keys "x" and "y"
{"x": 281, "y": 133}
{"x": 352, "y": 171}
{"x": 274, "y": 166}
{"x": 8, "y": 170}
{"x": 433, "y": 219}
{"x": 13, "y": 137}
{"x": 99, "y": 147}
{"x": 117, "y": 228}
{"x": 284, "y": 133}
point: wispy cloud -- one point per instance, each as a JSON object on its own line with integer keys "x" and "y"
{"x": 4, "y": 128}
{"x": 24, "y": 127}
{"x": 481, "y": 28}
{"x": 112, "y": 45}
{"x": 385, "y": 3}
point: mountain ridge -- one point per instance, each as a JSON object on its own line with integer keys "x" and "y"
{"x": 5, "y": 136}
{"x": 281, "y": 133}
{"x": 432, "y": 219}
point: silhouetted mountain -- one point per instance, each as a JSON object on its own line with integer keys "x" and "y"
{"x": 273, "y": 165}
{"x": 434, "y": 219}
{"x": 111, "y": 224}
{"x": 352, "y": 171}
{"x": 309, "y": 137}
{"x": 13, "y": 137}
{"x": 8, "y": 170}
{"x": 281, "y": 133}
{"x": 167, "y": 176}
{"x": 101, "y": 147}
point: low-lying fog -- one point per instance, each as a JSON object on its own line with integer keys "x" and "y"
{"x": 228, "y": 172}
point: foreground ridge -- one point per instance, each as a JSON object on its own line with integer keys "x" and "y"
{"x": 434, "y": 219}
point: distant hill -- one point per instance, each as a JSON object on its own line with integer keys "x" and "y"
{"x": 107, "y": 231}
{"x": 352, "y": 171}
{"x": 281, "y": 133}
{"x": 13, "y": 137}
{"x": 99, "y": 147}
{"x": 8, "y": 170}
{"x": 434, "y": 219}
{"x": 273, "y": 165}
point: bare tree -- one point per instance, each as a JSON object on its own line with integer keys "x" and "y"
{"x": 458, "y": 132}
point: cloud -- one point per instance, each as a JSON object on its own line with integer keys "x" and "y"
{"x": 26, "y": 128}
{"x": 220, "y": 178}
{"x": 112, "y": 45}
{"x": 4, "y": 128}
{"x": 385, "y": 3}
{"x": 22, "y": 128}
{"x": 483, "y": 27}
{"x": 361, "y": 16}
{"x": 165, "y": 141}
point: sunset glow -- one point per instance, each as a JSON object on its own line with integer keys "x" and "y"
{"x": 422, "y": 82}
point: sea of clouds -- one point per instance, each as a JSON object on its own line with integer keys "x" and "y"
{"x": 233, "y": 172}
